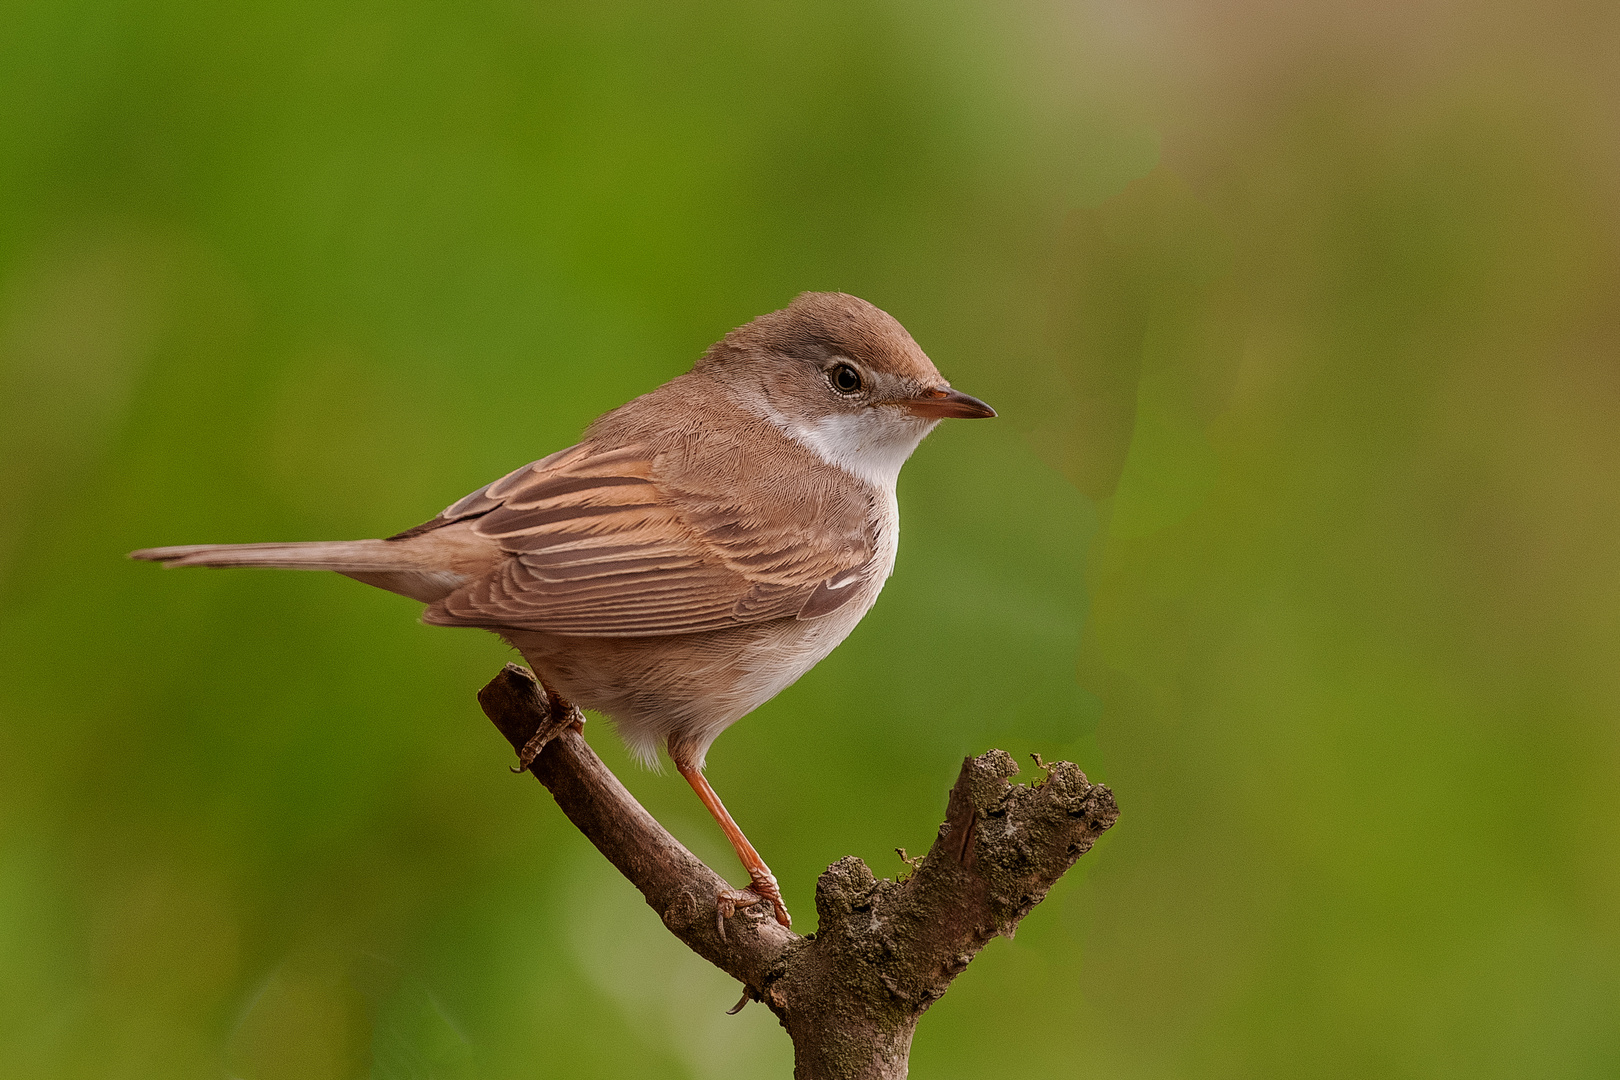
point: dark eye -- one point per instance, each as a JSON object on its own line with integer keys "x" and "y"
{"x": 845, "y": 379}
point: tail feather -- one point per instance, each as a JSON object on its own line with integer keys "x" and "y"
{"x": 365, "y": 556}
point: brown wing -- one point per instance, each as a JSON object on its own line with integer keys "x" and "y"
{"x": 600, "y": 547}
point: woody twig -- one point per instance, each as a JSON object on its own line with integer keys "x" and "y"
{"x": 850, "y": 995}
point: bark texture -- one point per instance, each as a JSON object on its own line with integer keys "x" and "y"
{"x": 850, "y": 994}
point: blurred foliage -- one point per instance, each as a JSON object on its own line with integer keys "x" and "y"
{"x": 1298, "y": 528}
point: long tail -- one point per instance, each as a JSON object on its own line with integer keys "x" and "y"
{"x": 344, "y": 556}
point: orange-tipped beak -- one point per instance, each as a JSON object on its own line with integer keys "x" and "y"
{"x": 945, "y": 403}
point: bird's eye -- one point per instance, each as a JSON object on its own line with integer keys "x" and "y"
{"x": 845, "y": 379}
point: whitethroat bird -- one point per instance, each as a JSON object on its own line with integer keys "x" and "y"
{"x": 702, "y": 546}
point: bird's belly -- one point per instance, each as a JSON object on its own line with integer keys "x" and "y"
{"x": 683, "y": 690}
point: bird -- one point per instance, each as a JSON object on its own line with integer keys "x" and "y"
{"x": 697, "y": 551}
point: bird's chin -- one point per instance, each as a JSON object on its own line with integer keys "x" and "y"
{"x": 902, "y": 420}
{"x": 871, "y": 444}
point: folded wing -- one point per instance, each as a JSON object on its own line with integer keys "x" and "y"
{"x": 599, "y": 547}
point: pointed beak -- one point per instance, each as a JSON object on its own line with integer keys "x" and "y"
{"x": 944, "y": 403}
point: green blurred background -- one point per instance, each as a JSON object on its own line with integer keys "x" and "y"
{"x": 1299, "y": 527}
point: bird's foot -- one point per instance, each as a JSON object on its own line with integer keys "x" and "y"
{"x": 531, "y": 749}
{"x": 763, "y": 890}
{"x": 730, "y": 901}
{"x": 763, "y": 883}
{"x": 565, "y": 716}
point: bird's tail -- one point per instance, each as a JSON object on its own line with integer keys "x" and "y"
{"x": 344, "y": 556}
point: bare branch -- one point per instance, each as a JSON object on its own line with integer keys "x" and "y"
{"x": 851, "y": 994}
{"x": 675, "y": 882}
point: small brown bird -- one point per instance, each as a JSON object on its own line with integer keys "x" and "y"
{"x": 700, "y": 549}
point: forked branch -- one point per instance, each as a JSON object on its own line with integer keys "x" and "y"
{"x": 849, "y": 995}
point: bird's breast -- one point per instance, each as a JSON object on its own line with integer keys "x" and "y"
{"x": 887, "y": 529}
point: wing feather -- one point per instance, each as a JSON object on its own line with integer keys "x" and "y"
{"x": 599, "y": 547}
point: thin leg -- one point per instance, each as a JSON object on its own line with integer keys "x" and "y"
{"x": 763, "y": 881}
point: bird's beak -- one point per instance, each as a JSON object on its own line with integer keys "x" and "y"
{"x": 943, "y": 403}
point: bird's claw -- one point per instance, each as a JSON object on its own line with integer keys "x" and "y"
{"x": 572, "y": 718}
{"x": 764, "y": 884}
{"x": 728, "y": 902}
{"x": 531, "y": 749}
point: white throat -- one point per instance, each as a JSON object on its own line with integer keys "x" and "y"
{"x": 870, "y": 445}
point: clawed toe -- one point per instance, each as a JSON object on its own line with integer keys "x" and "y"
{"x": 531, "y": 749}
{"x": 731, "y": 901}
{"x": 560, "y": 715}
{"x": 781, "y": 912}
{"x": 765, "y": 885}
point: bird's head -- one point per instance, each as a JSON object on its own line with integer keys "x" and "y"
{"x": 843, "y": 378}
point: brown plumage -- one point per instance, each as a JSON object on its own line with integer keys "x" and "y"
{"x": 699, "y": 549}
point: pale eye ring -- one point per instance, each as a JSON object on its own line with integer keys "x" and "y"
{"x": 845, "y": 379}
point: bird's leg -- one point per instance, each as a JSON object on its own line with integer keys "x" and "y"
{"x": 762, "y": 881}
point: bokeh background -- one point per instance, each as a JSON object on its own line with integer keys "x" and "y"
{"x": 1300, "y": 528}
